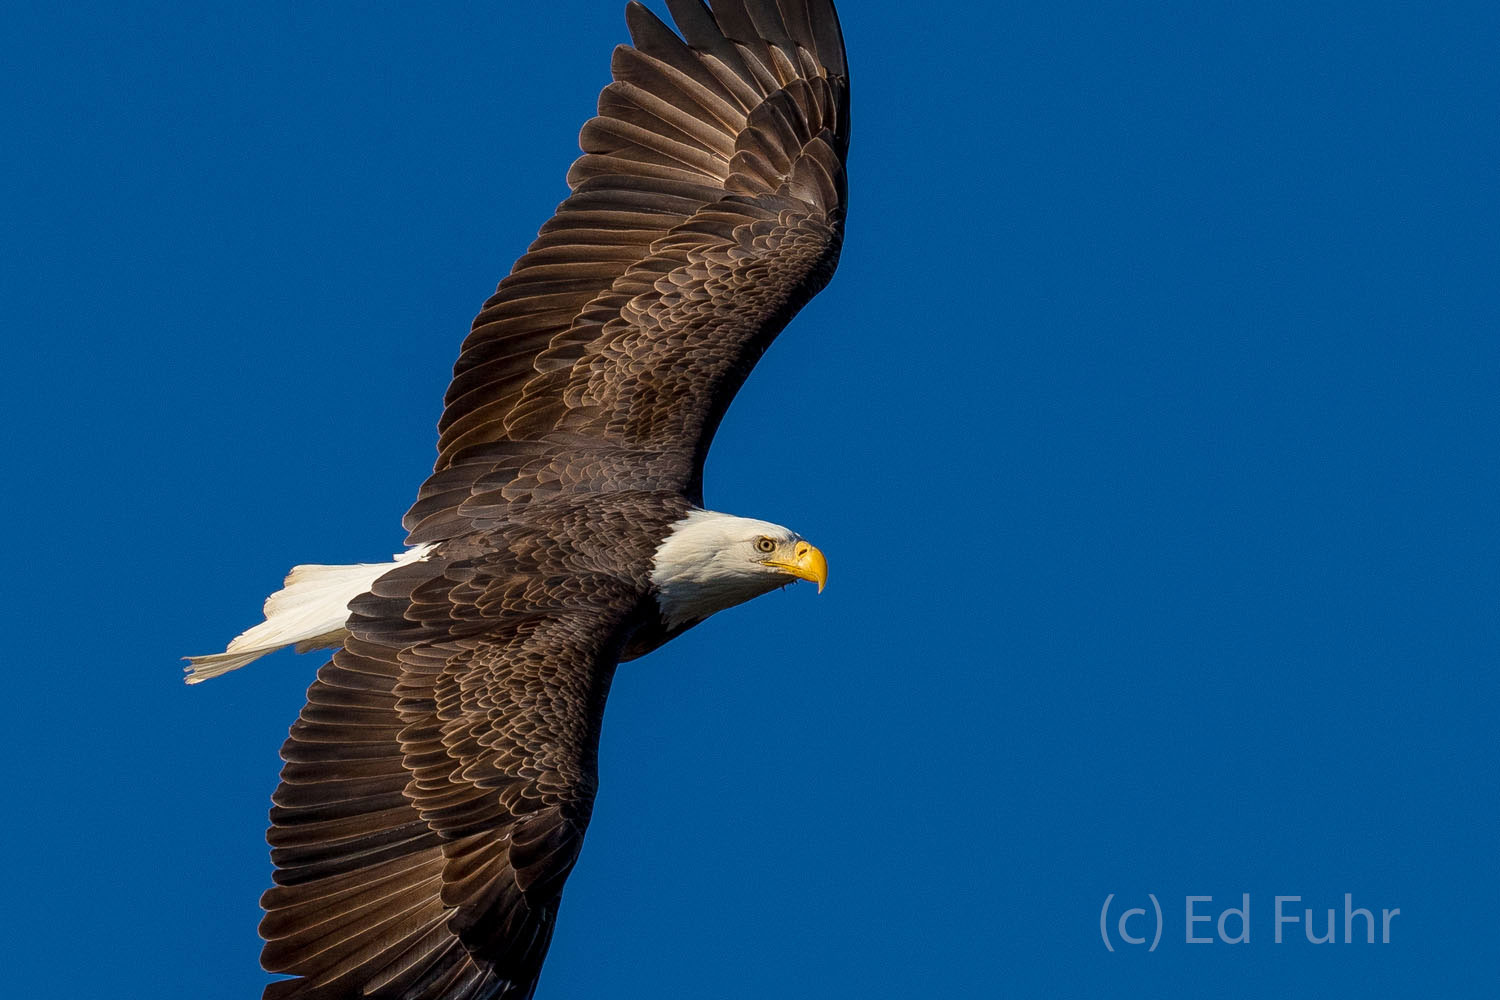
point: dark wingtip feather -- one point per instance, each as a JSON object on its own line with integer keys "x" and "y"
{"x": 829, "y": 35}
{"x": 735, "y": 21}
{"x": 798, "y": 21}
{"x": 766, "y": 16}
{"x": 812, "y": 24}
{"x": 701, "y": 30}
{"x": 696, "y": 22}
{"x": 646, "y": 29}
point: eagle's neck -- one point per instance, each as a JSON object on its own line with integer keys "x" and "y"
{"x": 700, "y": 567}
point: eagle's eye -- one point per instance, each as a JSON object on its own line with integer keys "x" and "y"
{"x": 764, "y": 544}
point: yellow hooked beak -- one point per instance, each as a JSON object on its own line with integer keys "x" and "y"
{"x": 807, "y": 564}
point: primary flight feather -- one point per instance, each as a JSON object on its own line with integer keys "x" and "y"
{"x": 438, "y": 782}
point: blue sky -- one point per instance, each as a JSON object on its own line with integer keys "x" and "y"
{"x": 1150, "y": 427}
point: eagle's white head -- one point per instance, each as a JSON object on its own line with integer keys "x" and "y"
{"x": 710, "y": 561}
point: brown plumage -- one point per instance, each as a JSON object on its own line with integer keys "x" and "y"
{"x": 438, "y": 783}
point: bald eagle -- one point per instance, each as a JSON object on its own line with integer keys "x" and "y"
{"x": 439, "y": 780}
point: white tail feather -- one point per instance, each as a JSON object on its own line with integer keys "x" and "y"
{"x": 309, "y": 612}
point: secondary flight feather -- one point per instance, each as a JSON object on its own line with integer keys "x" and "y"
{"x": 439, "y": 780}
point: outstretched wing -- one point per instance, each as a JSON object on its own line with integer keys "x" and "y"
{"x": 708, "y": 208}
{"x": 439, "y": 780}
